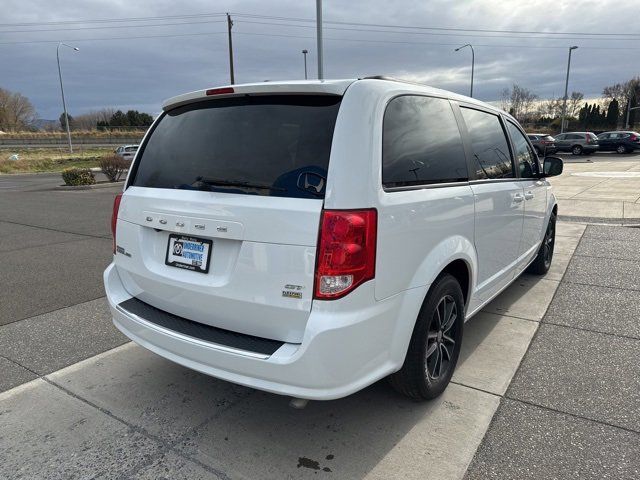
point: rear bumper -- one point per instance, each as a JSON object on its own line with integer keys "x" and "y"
{"x": 348, "y": 344}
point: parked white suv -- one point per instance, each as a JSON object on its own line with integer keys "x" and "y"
{"x": 311, "y": 238}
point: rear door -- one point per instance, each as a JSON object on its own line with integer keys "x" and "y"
{"x": 499, "y": 201}
{"x": 219, "y": 221}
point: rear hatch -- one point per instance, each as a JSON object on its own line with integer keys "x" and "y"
{"x": 219, "y": 222}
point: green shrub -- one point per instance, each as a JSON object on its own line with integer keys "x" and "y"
{"x": 113, "y": 166}
{"x": 78, "y": 176}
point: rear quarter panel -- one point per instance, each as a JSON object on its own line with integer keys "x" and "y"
{"x": 419, "y": 231}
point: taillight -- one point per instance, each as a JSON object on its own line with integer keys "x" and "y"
{"x": 346, "y": 251}
{"x": 114, "y": 218}
{"x": 219, "y": 91}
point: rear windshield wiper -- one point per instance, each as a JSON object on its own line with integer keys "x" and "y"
{"x": 235, "y": 183}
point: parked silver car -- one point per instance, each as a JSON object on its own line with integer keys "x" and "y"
{"x": 127, "y": 152}
{"x": 578, "y": 143}
{"x": 543, "y": 144}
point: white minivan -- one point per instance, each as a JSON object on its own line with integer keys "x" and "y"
{"x": 310, "y": 238}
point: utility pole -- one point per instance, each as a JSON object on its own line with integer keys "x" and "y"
{"x": 629, "y": 108}
{"x": 304, "y": 52}
{"x": 229, "y": 25}
{"x": 566, "y": 91}
{"x": 319, "y": 38}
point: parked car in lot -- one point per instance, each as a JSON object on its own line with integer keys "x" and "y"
{"x": 543, "y": 144}
{"x": 311, "y": 238}
{"x": 127, "y": 152}
{"x": 620, "y": 141}
{"x": 578, "y": 143}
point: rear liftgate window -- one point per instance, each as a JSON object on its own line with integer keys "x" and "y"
{"x": 258, "y": 145}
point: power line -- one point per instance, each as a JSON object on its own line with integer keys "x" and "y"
{"x": 404, "y": 32}
{"x": 113, "y": 26}
{"x": 114, "y": 38}
{"x": 361, "y": 24}
{"x": 456, "y": 29}
{"x": 492, "y": 45}
{"x": 112, "y": 20}
{"x": 360, "y": 40}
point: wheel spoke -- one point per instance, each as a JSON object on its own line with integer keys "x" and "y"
{"x": 448, "y": 309}
{"x": 432, "y": 335}
{"x": 432, "y": 348}
{"x": 438, "y": 317}
{"x": 439, "y": 362}
{"x": 447, "y": 338}
{"x": 445, "y": 350}
{"x": 450, "y": 322}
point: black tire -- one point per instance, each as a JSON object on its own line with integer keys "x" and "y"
{"x": 576, "y": 150}
{"x": 542, "y": 262}
{"x": 621, "y": 149}
{"x": 421, "y": 378}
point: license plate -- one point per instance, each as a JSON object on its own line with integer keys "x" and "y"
{"x": 189, "y": 253}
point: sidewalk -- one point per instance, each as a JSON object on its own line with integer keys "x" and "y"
{"x": 573, "y": 408}
{"x": 600, "y": 192}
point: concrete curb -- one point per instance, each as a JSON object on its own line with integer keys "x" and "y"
{"x": 90, "y": 187}
{"x": 627, "y": 222}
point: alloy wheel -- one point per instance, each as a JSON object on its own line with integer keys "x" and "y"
{"x": 441, "y": 338}
{"x": 549, "y": 238}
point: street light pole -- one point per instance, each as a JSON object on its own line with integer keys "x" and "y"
{"x": 304, "y": 52}
{"x": 566, "y": 91}
{"x": 629, "y": 108}
{"x": 319, "y": 38}
{"x": 64, "y": 104}
{"x": 473, "y": 63}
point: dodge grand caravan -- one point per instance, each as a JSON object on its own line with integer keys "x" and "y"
{"x": 311, "y": 238}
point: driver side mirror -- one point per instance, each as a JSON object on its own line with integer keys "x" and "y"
{"x": 552, "y": 167}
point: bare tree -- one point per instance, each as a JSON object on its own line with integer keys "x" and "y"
{"x": 16, "y": 111}
{"x": 574, "y": 102}
{"x": 622, "y": 91}
{"x": 519, "y": 101}
{"x": 553, "y": 108}
{"x": 89, "y": 120}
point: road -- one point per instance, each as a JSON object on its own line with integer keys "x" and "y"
{"x": 546, "y": 386}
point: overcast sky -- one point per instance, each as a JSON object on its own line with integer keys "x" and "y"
{"x": 138, "y": 73}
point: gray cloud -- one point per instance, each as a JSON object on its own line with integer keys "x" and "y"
{"x": 140, "y": 73}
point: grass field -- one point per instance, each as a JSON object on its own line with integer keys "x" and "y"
{"x": 34, "y": 160}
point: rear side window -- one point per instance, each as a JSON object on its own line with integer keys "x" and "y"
{"x": 421, "y": 143}
{"x": 492, "y": 158}
{"x": 592, "y": 136}
{"x": 258, "y": 145}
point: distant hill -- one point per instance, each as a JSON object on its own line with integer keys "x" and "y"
{"x": 43, "y": 124}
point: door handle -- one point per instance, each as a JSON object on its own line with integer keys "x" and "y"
{"x": 528, "y": 196}
{"x": 518, "y": 198}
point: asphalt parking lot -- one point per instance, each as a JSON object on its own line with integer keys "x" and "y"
{"x": 547, "y": 385}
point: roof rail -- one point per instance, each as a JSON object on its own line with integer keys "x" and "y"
{"x": 392, "y": 79}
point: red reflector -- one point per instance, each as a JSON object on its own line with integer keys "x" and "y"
{"x": 114, "y": 218}
{"x": 219, "y": 91}
{"x": 346, "y": 251}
